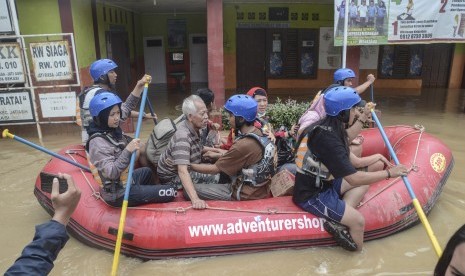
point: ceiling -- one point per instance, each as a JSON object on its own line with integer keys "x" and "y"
{"x": 191, "y": 6}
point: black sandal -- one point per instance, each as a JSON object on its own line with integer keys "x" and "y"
{"x": 340, "y": 234}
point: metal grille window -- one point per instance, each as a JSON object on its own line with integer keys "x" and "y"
{"x": 400, "y": 61}
{"x": 292, "y": 53}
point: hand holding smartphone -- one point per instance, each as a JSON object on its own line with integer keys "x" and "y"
{"x": 46, "y": 181}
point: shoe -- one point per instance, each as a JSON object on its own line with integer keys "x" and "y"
{"x": 341, "y": 235}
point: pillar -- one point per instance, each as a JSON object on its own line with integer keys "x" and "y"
{"x": 215, "y": 50}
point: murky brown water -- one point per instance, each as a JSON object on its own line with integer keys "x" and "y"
{"x": 406, "y": 253}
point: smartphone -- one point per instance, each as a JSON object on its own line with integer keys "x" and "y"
{"x": 46, "y": 180}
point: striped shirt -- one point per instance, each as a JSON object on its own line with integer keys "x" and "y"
{"x": 184, "y": 148}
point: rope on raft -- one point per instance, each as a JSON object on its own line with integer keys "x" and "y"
{"x": 419, "y": 129}
{"x": 97, "y": 196}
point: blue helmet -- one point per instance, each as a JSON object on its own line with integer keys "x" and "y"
{"x": 342, "y": 74}
{"x": 341, "y": 98}
{"x": 101, "y": 67}
{"x": 102, "y": 101}
{"x": 242, "y": 106}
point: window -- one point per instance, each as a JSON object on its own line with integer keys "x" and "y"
{"x": 292, "y": 53}
{"x": 400, "y": 61}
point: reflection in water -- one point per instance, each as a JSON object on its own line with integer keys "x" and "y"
{"x": 406, "y": 253}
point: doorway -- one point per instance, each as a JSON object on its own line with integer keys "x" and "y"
{"x": 154, "y": 58}
{"x": 250, "y": 59}
{"x": 118, "y": 51}
{"x": 436, "y": 65}
{"x": 198, "y": 58}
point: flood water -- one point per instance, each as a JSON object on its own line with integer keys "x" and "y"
{"x": 442, "y": 112}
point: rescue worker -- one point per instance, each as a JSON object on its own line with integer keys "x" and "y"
{"x": 346, "y": 76}
{"x": 327, "y": 184}
{"x": 250, "y": 162}
{"x": 104, "y": 76}
{"x": 316, "y": 111}
{"x": 110, "y": 154}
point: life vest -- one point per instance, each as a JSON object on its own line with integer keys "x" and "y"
{"x": 102, "y": 180}
{"x": 257, "y": 174}
{"x": 307, "y": 163}
{"x": 83, "y": 116}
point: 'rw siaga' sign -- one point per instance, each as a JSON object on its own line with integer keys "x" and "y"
{"x": 51, "y": 61}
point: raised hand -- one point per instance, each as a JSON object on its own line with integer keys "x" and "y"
{"x": 64, "y": 204}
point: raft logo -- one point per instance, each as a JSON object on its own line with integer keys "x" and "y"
{"x": 258, "y": 227}
{"x": 51, "y": 60}
{"x": 438, "y": 162}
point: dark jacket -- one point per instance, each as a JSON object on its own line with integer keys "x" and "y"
{"x": 38, "y": 256}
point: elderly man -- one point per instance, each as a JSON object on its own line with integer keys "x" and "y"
{"x": 185, "y": 149}
{"x": 250, "y": 162}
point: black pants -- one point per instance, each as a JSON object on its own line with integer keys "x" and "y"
{"x": 144, "y": 191}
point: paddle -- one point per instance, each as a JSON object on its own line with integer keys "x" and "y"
{"x": 6, "y": 133}
{"x": 151, "y": 111}
{"x": 415, "y": 201}
{"x": 372, "y": 94}
{"x": 128, "y": 185}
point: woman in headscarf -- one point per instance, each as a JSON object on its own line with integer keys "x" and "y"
{"x": 110, "y": 154}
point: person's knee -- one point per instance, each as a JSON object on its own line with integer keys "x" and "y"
{"x": 355, "y": 221}
{"x": 358, "y": 224}
{"x": 377, "y": 166}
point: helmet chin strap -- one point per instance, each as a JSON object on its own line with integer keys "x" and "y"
{"x": 106, "y": 81}
{"x": 239, "y": 123}
{"x": 353, "y": 122}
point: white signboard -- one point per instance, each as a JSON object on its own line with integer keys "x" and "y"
{"x": 15, "y": 106}
{"x": 427, "y": 21}
{"x": 51, "y": 61}
{"x": 400, "y": 21}
{"x": 329, "y": 56}
{"x": 5, "y": 20}
{"x": 11, "y": 63}
{"x": 59, "y": 104}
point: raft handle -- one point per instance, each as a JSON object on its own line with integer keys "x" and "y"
{"x": 126, "y": 235}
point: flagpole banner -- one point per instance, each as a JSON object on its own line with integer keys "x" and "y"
{"x": 367, "y": 22}
{"x": 377, "y": 22}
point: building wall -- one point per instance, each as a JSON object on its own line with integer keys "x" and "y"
{"x": 110, "y": 17}
{"x": 325, "y": 19}
{"x": 157, "y": 25}
{"x": 38, "y": 17}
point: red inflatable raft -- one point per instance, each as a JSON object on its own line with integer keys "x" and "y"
{"x": 173, "y": 229}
